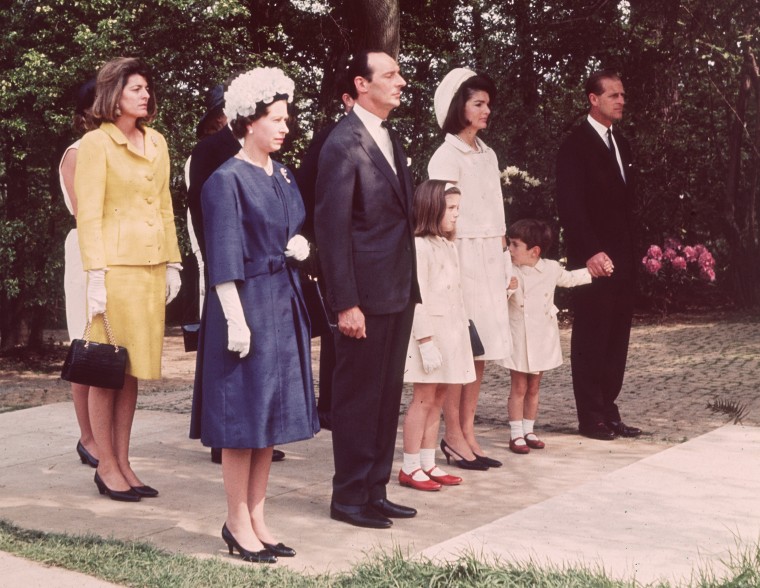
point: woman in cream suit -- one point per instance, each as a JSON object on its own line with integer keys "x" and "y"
{"x": 462, "y": 108}
{"x": 129, "y": 251}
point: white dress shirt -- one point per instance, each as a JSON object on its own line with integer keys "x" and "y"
{"x": 373, "y": 123}
{"x": 602, "y": 130}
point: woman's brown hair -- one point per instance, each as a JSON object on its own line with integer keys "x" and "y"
{"x": 112, "y": 78}
{"x": 429, "y": 208}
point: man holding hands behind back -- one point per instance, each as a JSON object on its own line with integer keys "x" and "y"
{"x": 365, "y": 234}
{"x": 595, "y": 202}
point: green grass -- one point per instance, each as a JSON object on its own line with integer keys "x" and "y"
{"x": 142, "y": 565}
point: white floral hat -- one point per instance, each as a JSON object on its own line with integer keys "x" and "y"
{"x": 260, "y": 85}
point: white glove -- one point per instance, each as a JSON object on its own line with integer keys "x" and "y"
{"x": 431, "y": 357}
{"x": 173, "y": 281}
{"x": 297, "y": 247}
{"x": 96, "y": 292}
{"x": 201, "y": 278}
{"x": 238, "y": 333}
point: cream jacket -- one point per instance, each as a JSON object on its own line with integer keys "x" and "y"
{"x": 533, "y": 316}
{"x": 125, "y": 214}
{"x": 441, "y": 315}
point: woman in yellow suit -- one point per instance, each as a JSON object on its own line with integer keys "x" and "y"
{"x": 129, "y": 250}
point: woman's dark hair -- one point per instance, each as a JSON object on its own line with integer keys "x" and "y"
{"x": 455, "y": 118}
{"x": 112, "y": 78}
{"x": 240, "y": 123}
{"x": 532, "y": 232}
{"x": 429, "y": 208}
{"x": 82, "y": 120}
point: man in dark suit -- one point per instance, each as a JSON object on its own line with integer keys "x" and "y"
{"x": 595, "y": 202}
{"x": 365, "y": 235}
{"x": 306, "y": 176}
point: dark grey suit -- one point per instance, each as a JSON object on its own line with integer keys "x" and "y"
{"x": 365, "y": 234}
{"x": 595, "y": 208}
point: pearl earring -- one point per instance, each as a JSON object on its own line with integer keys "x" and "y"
{"x": 250, "y": 131}
{"x": 117, "y": 112}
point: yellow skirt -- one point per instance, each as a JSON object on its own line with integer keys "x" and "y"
{"x": 136, "y": 310}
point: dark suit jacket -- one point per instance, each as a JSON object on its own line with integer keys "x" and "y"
{"x": 595, "y": 205}
{"x": 207, "y": 156}
{"x": 364, "y": 223}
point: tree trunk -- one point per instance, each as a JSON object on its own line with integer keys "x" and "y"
{"x": 378, "y": 26}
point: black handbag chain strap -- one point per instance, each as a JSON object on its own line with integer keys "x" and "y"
{"x": 109, "y": 333}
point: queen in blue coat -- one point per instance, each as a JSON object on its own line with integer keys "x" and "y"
{"x": 257, "y": 381}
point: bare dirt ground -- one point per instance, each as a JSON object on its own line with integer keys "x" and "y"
{"x": 675, "y": 367}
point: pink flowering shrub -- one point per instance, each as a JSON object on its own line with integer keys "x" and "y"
{"x": 672, "y": 266}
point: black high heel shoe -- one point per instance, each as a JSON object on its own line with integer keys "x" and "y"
{"x": 145, "y": 491}
{"x": 122, "y": 495}
{"x": 280, "y": 550}
{"x": 86, "y": 457}
{"x": 489, "y": 461}
{"x": 263, "y": 556}
{"x": 471, "y": 464}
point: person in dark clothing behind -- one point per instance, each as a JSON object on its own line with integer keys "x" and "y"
{"x": 306, "y": 176}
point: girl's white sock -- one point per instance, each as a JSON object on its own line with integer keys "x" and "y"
{"x": 515, "y": 431}
{"x": 427, "y": 461}
{"x": 412, "y": 464}
{"x": 528, "y": 426}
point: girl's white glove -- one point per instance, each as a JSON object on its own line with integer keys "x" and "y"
{"x": 173, "y": 281}
{"x": 431, "y": 357}
{"x": 96, "y": 292}
{"x": 238, "y": 333}
{"x": 297, "y": 248}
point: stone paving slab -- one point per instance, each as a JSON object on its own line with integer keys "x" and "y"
{"x": 43, "y": 486}
{"x": 655, "y": 519}
{"x": 18, "y": 572}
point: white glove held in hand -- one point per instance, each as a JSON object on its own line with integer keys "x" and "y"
{"x": 173, "y": 281}
{"x": 238, "y": 333}
{"x": 96, "y": 292}
{"x": 431, "y": 357}
{"x": 298, "y": 248}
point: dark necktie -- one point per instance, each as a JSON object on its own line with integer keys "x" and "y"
{"x": 611, "y": 145}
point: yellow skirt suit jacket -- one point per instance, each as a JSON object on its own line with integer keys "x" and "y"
{"x": 125, "y": 222}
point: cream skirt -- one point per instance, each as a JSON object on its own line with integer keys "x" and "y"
{"x": 484, "y": 287}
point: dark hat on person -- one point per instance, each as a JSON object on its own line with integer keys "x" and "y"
{"x": 214, "y": 102}
{"x": 85, "y": 97}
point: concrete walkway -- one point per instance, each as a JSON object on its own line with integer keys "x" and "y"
{"x": 636, "y": 507}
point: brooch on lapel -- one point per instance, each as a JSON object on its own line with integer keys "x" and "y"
{"x": 284, "y": 173}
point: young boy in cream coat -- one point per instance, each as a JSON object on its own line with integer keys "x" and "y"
{"x": 533, "y": 322}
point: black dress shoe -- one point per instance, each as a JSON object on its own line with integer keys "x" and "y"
{"x": 620, "y": 428}
{"x": 363, "y": 517}
{"x": 278, "y": 455}
{"x": 598, "y": 431}
{"x": 391, "y": 510}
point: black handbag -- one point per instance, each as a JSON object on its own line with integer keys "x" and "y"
{"x": 96, "y": 364}
{"x": 190, "y": 336}
{"x": 477, "y": 344}
{"x": 315, "y": 306}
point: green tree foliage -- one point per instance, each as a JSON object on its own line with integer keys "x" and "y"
{"x": 689, "y": 67}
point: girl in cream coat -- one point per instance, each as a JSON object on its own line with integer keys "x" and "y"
{"x": 533, "y": 322}
{"x": 439, "y": 353}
